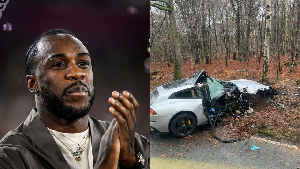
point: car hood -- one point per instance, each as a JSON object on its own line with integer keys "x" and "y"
{"x": 251, "y": 86}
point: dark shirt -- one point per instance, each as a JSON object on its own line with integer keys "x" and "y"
{"x": 31, "y": 145}
{"x": 204, "y": 90}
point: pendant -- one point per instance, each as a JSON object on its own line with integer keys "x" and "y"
{"x": 78, "y": 158}
{"x": 78, "y": 151}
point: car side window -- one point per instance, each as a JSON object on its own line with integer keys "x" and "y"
{"x": 190, "y": 93}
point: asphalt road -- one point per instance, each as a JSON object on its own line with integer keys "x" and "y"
{"x": 202, "y": 147}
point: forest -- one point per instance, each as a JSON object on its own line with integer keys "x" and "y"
{"x": 233, "y": 39}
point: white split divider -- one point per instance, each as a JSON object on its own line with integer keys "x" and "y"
{"x": 275, "y": 143}
{"x": 3, "y": 4}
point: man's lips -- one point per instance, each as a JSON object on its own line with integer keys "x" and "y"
{"x": 77, "y": 90}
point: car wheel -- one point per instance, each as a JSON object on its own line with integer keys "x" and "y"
{"x": 183, "y": 125}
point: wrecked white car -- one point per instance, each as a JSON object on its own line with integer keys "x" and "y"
{"x": 180, "y": 106}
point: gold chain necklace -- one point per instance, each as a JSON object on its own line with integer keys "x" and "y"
{"x": 78, "y": 152}
{"x": 74, "y": 141}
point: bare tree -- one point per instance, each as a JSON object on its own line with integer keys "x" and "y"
{"x": 167, "y": 5}
{"x": 265, "y": 76}
{"x": 234, "y": 29}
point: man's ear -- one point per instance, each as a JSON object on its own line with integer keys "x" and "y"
{"x": 32, "y": 84}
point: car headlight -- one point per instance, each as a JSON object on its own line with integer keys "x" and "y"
{"x": 152, "y": 112}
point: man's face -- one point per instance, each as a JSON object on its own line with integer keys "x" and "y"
{"x": 199, "y": 84}
{"x": 65, "y": 76}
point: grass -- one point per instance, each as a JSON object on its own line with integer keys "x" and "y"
{"x": 265, "y": 132}
{"x": 162, "y": 163}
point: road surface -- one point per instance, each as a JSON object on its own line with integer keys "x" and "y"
{"x": 201, "y": 150}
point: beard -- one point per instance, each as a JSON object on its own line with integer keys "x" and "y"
{"x": 56, "y": 105}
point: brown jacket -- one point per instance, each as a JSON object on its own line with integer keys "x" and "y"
{"x": 31, "y": 145}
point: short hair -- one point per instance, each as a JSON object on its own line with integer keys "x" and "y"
{"x": 30, "y": 62}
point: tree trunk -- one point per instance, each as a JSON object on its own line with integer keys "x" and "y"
{"x": 298, "y": 31}
{"x": 265, "y": 76}
{"x": 261, "y": 53}
{"x": 248, "y": 51}
{"x": 205, "y": 34}
{"x": 286, "y": 27}
{"x": 238, "y": 29}
{"x": 276, "y": 18}
{"x": 236, "y": 9}
{"x": 209, "y": 31}
{"x": 176, "y": 42}
{"x": 234, "y": 56}
{"x": 216, "y": 37}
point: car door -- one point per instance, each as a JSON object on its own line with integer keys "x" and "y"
{"x": 188, "y": 100}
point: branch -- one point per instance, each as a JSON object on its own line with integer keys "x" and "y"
{"x": 153, "y": 35}
{"x": 160, "y": 1}
{"x": 160, "y": 6}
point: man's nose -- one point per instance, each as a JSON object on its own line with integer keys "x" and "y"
{"x": 74, "y": 73}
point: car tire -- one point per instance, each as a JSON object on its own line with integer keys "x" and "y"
{"x": 183, "y": 124}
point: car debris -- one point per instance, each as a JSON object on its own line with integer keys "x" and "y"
{"x": 278, "y": 103}
{"x": 242, "y": 70}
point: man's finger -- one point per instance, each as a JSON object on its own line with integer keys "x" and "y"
{"x": 121, "y": 110}
{"x": 120, "y": 119}
{"x": 123, "y": 127}
{"x": 130, "y": 97}
{"x": 124, "y": 101}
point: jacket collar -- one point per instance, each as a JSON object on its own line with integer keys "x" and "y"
{"x": 40, "y": 136}
{"x": 96, "y": 138}
{"x": 37, "y": 131}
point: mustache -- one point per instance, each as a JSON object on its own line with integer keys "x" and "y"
{"x": 75, "y": 84}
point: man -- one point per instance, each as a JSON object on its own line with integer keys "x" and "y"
{"x": 59, "y": 133}
{"x": 203, "y": 88}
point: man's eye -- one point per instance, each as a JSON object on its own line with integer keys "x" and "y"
{"x": 83, "y": 63}
{"x": 58, "y": 65}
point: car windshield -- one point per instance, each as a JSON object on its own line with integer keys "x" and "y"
{"x": 216, "y": 89}
{"x": 153, "y": 95}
